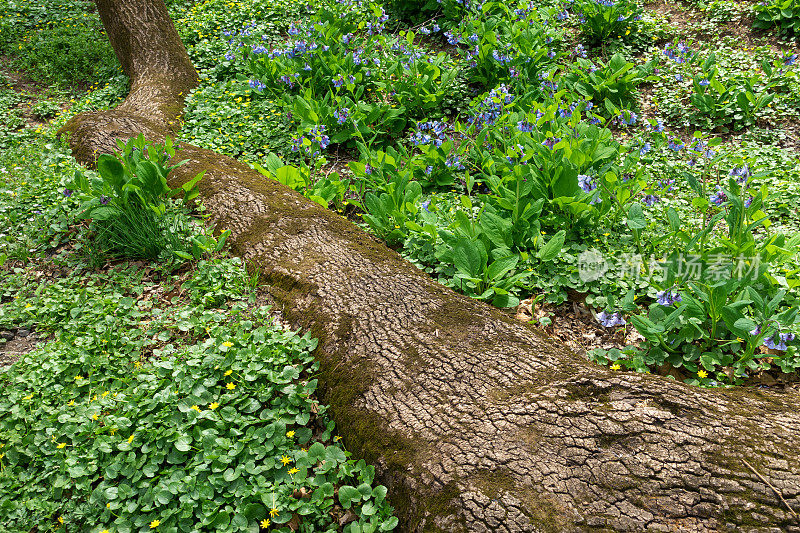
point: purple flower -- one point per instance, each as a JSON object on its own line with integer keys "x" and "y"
{"x": 703, "y": 83}
{"x": 341, "y": 115}
{"x": 425, "y": 205}
{"x": 718, "y": 198}
{"x": 650, "y": 200}
{"x": 586, "y": 183}
{"x": 367, "y": 169}
{"x": 104, "y": 200}
{"x": 550, "y": 142}
{"x": 67, "y": 192}
{"x": 669, "y": 297}
{"x": 524, "y": 126}
{"x": 772, "y": 345}
{"x": 610, "y": 320}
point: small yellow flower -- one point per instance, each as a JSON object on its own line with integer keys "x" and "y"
{"x": 293, "y": 471}
{"x": 155, "y": 523}
{"x": 108, "y": 506}
{"x": 615, "y": 366}
{"x": 60, "y": 519}
{"x": 137, "y": 364}
{"x": 196, "y": 408}
{"x": 71, "y": 403}
{"x": 105, "y": 530}
{"x": 104, "y": 394}
{"x": 285, "y": 460}
{"x": 265, "y": 523}
{"x": 130, "y": 439}
{"x": 230, "y": 386}
{"x": 28, "y": 397}
{"x": 61, "y": 445}
{"x": 95, "y": 417}
{"x": 273, "y": 512}
{"x": 213, "y": 405}
{"x": 78, "y": 378}
{"x": 702, "y": 374}
{"x": 290, "y": 434}
{"x": 228, "y": 372}
{"x": 227, "y": 344}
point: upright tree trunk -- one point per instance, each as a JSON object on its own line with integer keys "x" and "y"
{"x": 474, "y": 421}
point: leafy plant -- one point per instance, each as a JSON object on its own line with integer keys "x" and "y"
{"x": 602, "y": 20}
{"x": 170, "y": 417}
{"x": 610, "y": 85}
{"x": 130, "y": 209}
{"x": 785, "y": 14}
{"x": 733, "y": 101}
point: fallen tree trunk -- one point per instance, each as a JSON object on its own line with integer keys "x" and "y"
{"x": 474, "y": 421}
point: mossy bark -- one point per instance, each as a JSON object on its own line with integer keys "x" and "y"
{"x": 473, "y": 421}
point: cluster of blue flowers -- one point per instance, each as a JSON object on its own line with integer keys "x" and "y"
{"x": 610, "y": 320}
{"x": 493, "y": 106}
{"x": 668, "y": 297}
{"x": 679, "y": 53}
{"x": 318, "y": 141}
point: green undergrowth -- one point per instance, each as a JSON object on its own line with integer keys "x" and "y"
{"x": 148, "y": 411}
{"x": 549, "y": 150}
{"x": 160, "y": 396}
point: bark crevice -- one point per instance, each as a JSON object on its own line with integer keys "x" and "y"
{"x": 474, "y": 421}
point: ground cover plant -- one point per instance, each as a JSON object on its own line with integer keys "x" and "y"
{"x": 109, "y": 419}
{"x": 567, "y": 147}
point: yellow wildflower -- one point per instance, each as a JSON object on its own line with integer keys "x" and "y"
{"x": 702, "y": 374}
{"x": 230, "y": 386}
{"x": 71, "y": 403}
{"x": 293, "y": 471}
{"x": 213, "y": 405}
{"x": 60, "y": 519}
{"x": 273, "y": 512}
{"x": 228, "y": 372}
{"x": 290, "y": 434}
{"x": 265, "y": 523}
{"x": 95, "y": 417}
{"x": 130, "y": 439}
{"x": 61, "y": 445}
{"x": 227, "y": 344}
{"x": 196, "y": 408}
{"x": 78, "y": 378}
{"x": 155, "y": 523}
{"x": 615, "y": 366}
{"x": 285, "y": 460}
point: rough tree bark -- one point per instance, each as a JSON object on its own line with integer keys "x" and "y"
{"x": 474, "y": 421}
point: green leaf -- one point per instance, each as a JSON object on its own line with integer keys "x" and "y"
{"x": 467, "y": 258}
{"x": 636, "y": 219}
{"x": 549, "y": 251}
{"x": 184, "y": 443}
{"x": 348, "y": 495}
{"x": 501, "y": 266}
